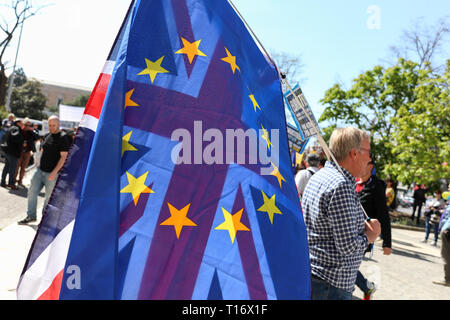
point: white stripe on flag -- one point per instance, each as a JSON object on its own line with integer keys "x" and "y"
{"x": 90, "y": 122}
{"x": 108, "y": 67}
{"x": 38, "y": 278}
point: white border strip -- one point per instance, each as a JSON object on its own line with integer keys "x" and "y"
{"x": 108, "y": 67}
{"x": 90, "y": 122}
{"x": 38, "y": 278}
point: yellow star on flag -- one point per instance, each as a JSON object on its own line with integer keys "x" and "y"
{"x": 276, "y": 173}
{"x": 255, "y": 104}
{"x": 136, "y": 186}
{"x": 178, "y": 219}
{"x": 265, "y": 136}
{"x": 153, "y": 68}
{"x": 126, "y": 145}
{"x": 191, "y": 49}
{"x": 232, "y": 223}
{"x": 231, "y": 60}
{"x": 128, "y": 101}
{"x": 269, "y": 206}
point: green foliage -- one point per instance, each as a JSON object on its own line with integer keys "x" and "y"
{"x": 405, "y": 109}
{"x": 3, "y": 113}
{"x": 28, "y": 100}
{"x": 53, "y": 109}
{"x": 79, "y": 101}
{"x": 19, "y": 77}
{"x": 422, "y": 133}
{"x": 326, "y": 133}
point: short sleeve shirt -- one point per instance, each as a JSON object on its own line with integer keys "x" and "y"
{"x": 53, "y": 145}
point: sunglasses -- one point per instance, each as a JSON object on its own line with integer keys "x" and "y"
{"x": 371, "y": 158}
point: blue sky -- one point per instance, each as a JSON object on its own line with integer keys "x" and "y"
{"x": 333, "y": 37}
{"x": 337, "y": 40}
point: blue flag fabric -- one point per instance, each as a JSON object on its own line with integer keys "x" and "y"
{"x": 148, "y": 227}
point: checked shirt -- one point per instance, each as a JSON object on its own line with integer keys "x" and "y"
{"x": 335, "y": 226}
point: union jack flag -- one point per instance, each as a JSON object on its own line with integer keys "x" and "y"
{"x": 127, "y": 222}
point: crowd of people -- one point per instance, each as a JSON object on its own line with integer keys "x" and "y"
{"x": 345, "y": 205}
{"x": 346, "y": 208}
{"x": 19, "y": 143}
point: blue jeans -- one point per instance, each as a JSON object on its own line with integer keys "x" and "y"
{"x": 419, "y": 210}
{"x": 428, "y": 226}
{"x": 361, "y": 282}
{"x": 39, "y": 180}
{"x": 9, "y": 169}
{"x": 322, "y": 290}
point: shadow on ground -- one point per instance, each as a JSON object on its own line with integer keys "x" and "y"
{"x": 413, "y": 254}
{"x": 23, "y": 192}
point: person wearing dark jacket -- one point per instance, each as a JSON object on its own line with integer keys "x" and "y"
{"x": 14, "y": 139}
{"x": 372, "y": 195}
{"x": 27, "y": 150}
{"x": 373, "y": 199}
{"x": 419, "y": 200}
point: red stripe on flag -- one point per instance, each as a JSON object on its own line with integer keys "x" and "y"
{"x": 95, "y": 102}
{"x": 52, "y": 293}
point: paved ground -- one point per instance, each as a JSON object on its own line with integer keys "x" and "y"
{"x": 407, "y": 274}
{"x": 15, "y": 240}
{"x": 13, "y": 203}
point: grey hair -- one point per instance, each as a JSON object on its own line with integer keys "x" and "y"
{"x": 343, "y": 140}
{"x": 53, "y": 117}
{"x": 313, "y": 160}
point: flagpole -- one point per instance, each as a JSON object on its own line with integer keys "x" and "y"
{"x": 313, "y": 123}
{"x": 252, "y": 33}
{"x": 283, "y": 77}
{"x": 319, "y": 136}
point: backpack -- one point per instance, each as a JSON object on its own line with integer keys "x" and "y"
{"x": 435, "y": 217}
{"x": 310, "y": 171}
{"x": 4, "y": 141}
{"x": 11, "y": 137}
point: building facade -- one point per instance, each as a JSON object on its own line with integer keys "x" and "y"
{"x": 57, "y": 93}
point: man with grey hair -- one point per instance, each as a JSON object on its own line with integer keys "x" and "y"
{"x": 302, "y": 177}
{"x": 8, "y": 122}
{"x": 338, "y": 233}
{"x": 55, "y": 148}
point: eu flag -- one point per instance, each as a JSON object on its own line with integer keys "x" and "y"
{"x": 138, "y": 213}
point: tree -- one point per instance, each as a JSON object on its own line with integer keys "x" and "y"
{"x": 422, "y": 133}
{"x": 422, "y": 43}
{"x": 3, "y": 113}
{"x": 290, "y": 64}
{"x": 405, "y": 109}
{"x": 20, "y": 77}
{"x": 13, "y": 16}
{"x": 79, "y": 101}
{"x": 28, "y": 100}
{"x": 374, "y": 99}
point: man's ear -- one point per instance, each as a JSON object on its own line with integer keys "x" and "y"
{"x": 353, "y": 154}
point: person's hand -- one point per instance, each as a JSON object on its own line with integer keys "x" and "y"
{"x": 51, "y": 176}
{"x": 446, "y": 234}
{"x": 387, "y": 251}
{"x": 373, "y": 230}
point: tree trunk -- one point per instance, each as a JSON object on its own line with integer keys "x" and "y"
{"x": 3, "y": 88}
